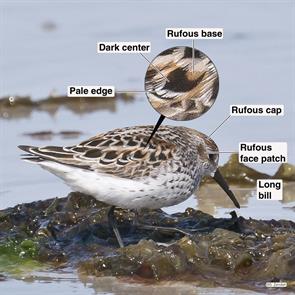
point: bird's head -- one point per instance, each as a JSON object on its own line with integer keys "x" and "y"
{"x": 210, "y": 156}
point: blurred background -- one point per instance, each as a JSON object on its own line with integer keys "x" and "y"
{"x": 48, "y": 45}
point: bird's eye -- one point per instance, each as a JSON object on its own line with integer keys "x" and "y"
{"x": 211, "y": 157}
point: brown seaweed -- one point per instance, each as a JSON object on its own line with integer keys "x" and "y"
{"x": 14, "y": 107}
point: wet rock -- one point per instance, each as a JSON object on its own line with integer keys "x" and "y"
{"x": 281, "y": 264}
{"x": 145, "y": 259}
{"x": 74, "y": 231}
{"x": 220, "y": 254}
{"x": 244, "y": 260}
{"x": 286, "y": 172}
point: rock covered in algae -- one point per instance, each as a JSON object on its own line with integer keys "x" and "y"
{"x": 218, "y": 255}
{"x": 13, "y": 107}
{"x": 286, "y": 172}
{"x": 74, "y": 231}
{"x": 237, "y": 173}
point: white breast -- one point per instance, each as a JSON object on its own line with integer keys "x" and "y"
{"x": 122, "y": 192}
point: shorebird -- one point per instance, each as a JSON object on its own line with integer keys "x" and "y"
{"x": 118, "y": 168}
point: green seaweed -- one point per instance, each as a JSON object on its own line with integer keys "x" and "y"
{"x": 18, "y": 257}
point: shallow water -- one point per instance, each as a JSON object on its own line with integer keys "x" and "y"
{"x": 64, "y": 283}
{"x": 255, "y": 62}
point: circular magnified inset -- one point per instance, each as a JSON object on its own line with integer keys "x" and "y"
{"x": 181, "y": 83}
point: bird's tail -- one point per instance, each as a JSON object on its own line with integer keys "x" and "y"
{"x": 30, "y": 156}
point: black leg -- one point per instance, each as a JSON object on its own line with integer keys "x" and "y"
{"x": 113, "y": 225}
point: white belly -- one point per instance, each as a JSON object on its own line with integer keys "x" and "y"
{"x": 121, "y": 192}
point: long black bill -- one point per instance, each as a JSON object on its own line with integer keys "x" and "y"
{"x": 220, "y": 180}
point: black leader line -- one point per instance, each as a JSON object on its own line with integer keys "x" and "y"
{"x": 160, "y": 121}
{"x": 150, "y": 63}
{"x": 219, "y": 126}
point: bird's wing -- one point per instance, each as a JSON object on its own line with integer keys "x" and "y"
{"x": 121, "y": 152}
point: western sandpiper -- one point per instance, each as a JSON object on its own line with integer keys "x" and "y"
{"x": 118, "y": 168}
{"x": 181, "y": 83}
